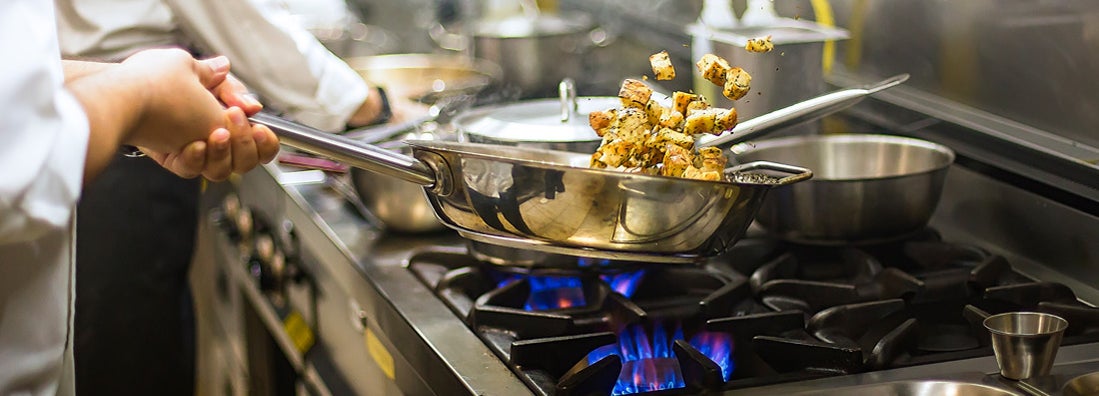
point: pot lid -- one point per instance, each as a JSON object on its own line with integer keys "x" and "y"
{"x": 528, "y": 26}
{"x": 542, "y": 120}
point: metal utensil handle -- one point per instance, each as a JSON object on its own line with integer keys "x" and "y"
{"x": 798, "y": 113}
{"x": 567, "y": 90}
{"x": 348, "y": 151}
{"x": 797, "y": 173}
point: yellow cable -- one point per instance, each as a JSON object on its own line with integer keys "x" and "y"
{"x": 823, "y": 10}
{"x": 856, "y": 27}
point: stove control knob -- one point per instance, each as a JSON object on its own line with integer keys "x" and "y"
{"x": 234, "y": 218}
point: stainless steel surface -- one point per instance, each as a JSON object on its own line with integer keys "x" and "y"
{"x": 797, "y": 113}
{"x": 348, "y": 151}
{"x": 866, "y": 187}
{"x": 1084, "y": 385}
{"x": 790, "y": 73}
{"x": 535, "y": 53}
{"x": 554, "y": 201}
{"x": 1025, "y": 343}
{"x": 537, "y": 123}
{"x": 400, "y": 205}
{"x": 558, "y": 205}
{"x": 924, "y": 387}
{"x": 980, "y": 52}
{"x": 427, "y": 76}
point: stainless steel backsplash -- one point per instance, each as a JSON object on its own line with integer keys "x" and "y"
{"x": 1032, "y": 61}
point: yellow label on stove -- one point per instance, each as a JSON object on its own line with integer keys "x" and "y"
{"x": 298, "y": 331}
{"x": 380, "y": 355}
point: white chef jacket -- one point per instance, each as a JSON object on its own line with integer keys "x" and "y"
{"x": 43, "y": 143}
{"x": 270, "y": 52}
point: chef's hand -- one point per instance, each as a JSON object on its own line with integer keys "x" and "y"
{"x": 234, "y": 145}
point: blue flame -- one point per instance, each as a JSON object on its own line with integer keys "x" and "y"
{"x": 624, "y": 283}
{"x": 651, "y": 365}
{"x": 555, "y": 292}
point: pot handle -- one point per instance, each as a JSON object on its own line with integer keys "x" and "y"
{"x": 348, "y": 151}
{"x": 797, "y": 113}
{"x": 797, "y": 173}
{"x": 569, "y": 106}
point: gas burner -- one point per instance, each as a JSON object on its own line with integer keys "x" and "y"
{"x": 552, "y": 303}
{"x": 597, "y": 326}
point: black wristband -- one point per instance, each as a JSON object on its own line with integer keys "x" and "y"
{"x": 386, "y": 112}
{"x": 130, "y": 151}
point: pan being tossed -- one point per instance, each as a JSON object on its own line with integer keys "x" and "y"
{"x": 552, "y": 202}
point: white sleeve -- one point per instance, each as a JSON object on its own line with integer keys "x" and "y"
{"x": 43, "y": 131}
{"x": 275, "y": 58}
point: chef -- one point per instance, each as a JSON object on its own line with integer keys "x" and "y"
{"x": 62, "y": 122}
{"x": 134, "y": 320}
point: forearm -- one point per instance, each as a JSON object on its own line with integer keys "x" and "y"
{"x": 76, "y": 69}
{"x": 112, "y": 110}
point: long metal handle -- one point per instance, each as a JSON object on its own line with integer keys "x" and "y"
{"x": 348, "y": 151}
{"x": 798, "y": 113}
{"x": 797, "y": 173}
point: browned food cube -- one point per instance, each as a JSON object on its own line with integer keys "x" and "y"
{"x": 701, "y": 174}
{"x": 725, "y": 121}
{"x": 676, "y": 160}
{"x": 700, "y": 122}
{"x": 698, "y": 105}
{"x": 680, "y": 101}
{"x": 663, "y": 136}
{"x": 662, "y": 66}
{"x": 654, "y": 110}
{"x": 737, "y": 83}
{"x": 632, "y": 124}
{"x": 761, "y": 44}
{"x": 671, "y": 119}
{"x": 712, "y": 159}
{"x": 634, "y": 93}
{"x": 601, "y": 120}
{"x": 713, "y": 68}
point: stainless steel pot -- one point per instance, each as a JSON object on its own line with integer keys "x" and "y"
{"x": 535, "y": 52}
{"x": 553, "y": 124}
{"x": 866, "y": 188}
{"x": 401, "y": 206}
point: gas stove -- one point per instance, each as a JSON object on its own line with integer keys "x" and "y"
{"x": 418, "y": 314}
{"x": 765, "y": 312}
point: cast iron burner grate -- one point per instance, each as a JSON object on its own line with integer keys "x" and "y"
{"x": 803, "y": 312}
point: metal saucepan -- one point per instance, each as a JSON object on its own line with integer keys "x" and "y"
{"x": 866, "y": 188}
{"x": 550, "y": 201}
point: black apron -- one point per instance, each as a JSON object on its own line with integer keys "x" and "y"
{"x": 134, "y": 325}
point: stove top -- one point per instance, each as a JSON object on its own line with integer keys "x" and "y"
{"x": 765, "y": 312}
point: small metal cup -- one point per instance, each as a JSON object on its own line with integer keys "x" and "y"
{"x": 1025, "y": 343}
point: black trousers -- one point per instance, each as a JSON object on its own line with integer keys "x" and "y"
{"x": 134, "y": 325}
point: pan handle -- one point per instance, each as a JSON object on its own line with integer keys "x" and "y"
{"x": 348, "y": 151}
{"x": 808, "y": 110}
{"x": 797, "y": 173}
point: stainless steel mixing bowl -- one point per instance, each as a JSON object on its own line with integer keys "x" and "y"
{"x": 865, "y": 187}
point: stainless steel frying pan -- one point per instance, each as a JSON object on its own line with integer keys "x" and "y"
{"x": 550, "y": 201}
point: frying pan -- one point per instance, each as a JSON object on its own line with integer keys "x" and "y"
{"x": 550, "y": 201}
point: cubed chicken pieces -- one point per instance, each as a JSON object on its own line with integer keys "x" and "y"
{"x": 646, "y": 137}
{"x": 662, "y": 66}
{"x": 634, "y": 93}
{"x": 737, "y": 83}
{"x": 713, "y": 68}
{"x": 761, "y": 44}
